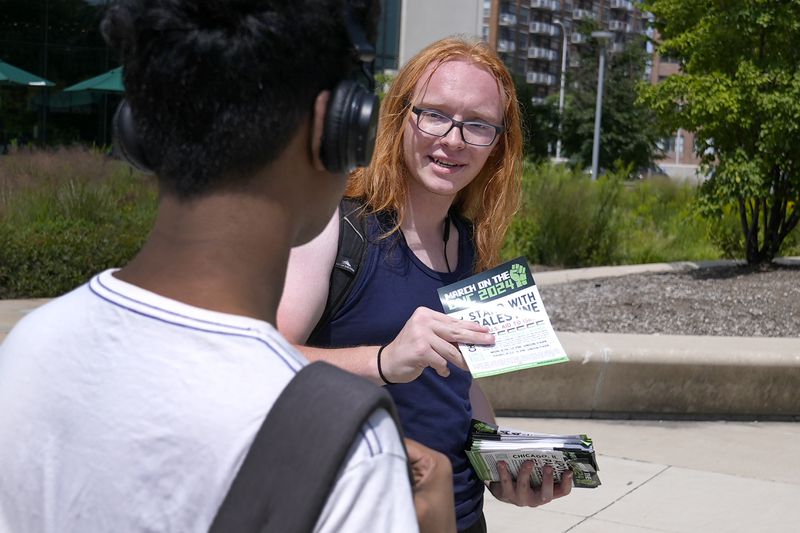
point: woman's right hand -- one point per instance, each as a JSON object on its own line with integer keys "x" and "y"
{"x": 429, "y": 339}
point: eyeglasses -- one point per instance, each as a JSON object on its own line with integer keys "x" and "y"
{"x": 472, "y": 132}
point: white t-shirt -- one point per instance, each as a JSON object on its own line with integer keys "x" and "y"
{"x": 121, "y": 410}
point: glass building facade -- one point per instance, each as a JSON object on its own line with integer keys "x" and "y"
{"x": 59, "y": 40}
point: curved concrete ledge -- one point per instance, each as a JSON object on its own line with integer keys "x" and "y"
{"x": 634, "y": 376}
{"x": 615, "y": 375}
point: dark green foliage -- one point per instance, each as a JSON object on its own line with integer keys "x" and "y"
{"x": 740, "y": 94}
{"x": 48, "y": 258}
{"x": 383, "y": 81}
{"x": 539, "y": 122}
{"x": 65, "y": 216}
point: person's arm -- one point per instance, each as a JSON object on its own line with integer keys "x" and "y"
{"x": 433, "y": 488}
{"x": 427, "y": 339}
{"x": 373, "y": 491}
{"x": 305, "y": 290}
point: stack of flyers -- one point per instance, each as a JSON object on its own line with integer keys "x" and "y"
{"x": 490, "y": 444}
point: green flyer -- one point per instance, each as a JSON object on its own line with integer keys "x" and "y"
{"x": 506, "y": 300}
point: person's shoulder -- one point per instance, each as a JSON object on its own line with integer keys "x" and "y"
{"x": 378, "y": 439}
{"x": 373, "y": 488}
{"x": 46, "y": 317}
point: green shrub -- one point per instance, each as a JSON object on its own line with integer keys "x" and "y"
{"x": 660, "y": 223}
{"x": 565, "y": 219}
{"x": 791, "y": 246}
{"x": 66, "y": 215}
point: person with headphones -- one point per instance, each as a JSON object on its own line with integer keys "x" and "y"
{"x": 129, "y": 403}
{"x": 435, "y": 204}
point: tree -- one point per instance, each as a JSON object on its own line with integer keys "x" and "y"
{"x": 740, "y": 94}
{"x": 628, "y": 134}
{"x": 539, "y": 121}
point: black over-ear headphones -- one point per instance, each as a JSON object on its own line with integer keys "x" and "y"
{"x": 351, "y": 120}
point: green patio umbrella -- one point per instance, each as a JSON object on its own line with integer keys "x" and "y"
{"x": 11, "y": 75}
{"x": 108, "y": 82}
{"x": 75, "y": 102}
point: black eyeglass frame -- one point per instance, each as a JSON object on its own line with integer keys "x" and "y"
{"x": 456, "y": 124}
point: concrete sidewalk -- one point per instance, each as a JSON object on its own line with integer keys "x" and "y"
{"x": 12, "y": 310}
{"x": 678, "y": 477}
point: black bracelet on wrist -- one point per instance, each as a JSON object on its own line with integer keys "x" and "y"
{"x": 380, "y": 370}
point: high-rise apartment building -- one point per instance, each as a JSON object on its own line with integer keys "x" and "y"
{"x": 529, "y": 34}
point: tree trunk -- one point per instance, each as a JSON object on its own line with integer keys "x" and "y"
{"x": 770, "y": 222}
{"x": 749, "y": 213}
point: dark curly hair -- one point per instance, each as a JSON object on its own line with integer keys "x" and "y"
{"x": 218, "y": 87}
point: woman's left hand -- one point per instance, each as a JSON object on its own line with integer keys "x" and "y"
{"x": 521, "y": 493}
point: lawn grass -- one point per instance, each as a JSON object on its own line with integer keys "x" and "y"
{"x": 65, "y": 215}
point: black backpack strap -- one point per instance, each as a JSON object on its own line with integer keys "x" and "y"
{"x": 291, "y": 467}
{"x": 349, "y": 256}
{"x": 463, "y": 223}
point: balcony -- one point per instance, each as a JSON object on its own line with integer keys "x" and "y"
{"x": 577, "y": 38}
{"x": 617, "y": 47}
{"x": 583, "y": 14}
{"x": 549, "y": 5}
{"x": 625, "y": 5}
{"x": 534, "y": 52}
{"x": 507, "y": 19}
{"x": 540, "y": 78}
{"x": 542, "y": 28}
{"x": 506, "y": 46}
{"x": 616, "y": 25}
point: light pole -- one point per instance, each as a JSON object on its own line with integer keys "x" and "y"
{"x": 602, "y": 37}
{"x": 561, "y": 91}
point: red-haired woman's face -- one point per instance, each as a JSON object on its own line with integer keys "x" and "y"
{"x": 458, "y": 90}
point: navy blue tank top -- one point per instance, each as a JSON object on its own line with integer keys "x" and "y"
{"x": 433, "y": 410}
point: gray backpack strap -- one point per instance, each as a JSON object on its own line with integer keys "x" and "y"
{"x": 290, "y": 470}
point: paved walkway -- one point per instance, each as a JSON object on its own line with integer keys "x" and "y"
{"x": 678, "y": 477}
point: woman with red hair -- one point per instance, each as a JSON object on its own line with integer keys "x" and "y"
{"x": 437, "y": 199}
